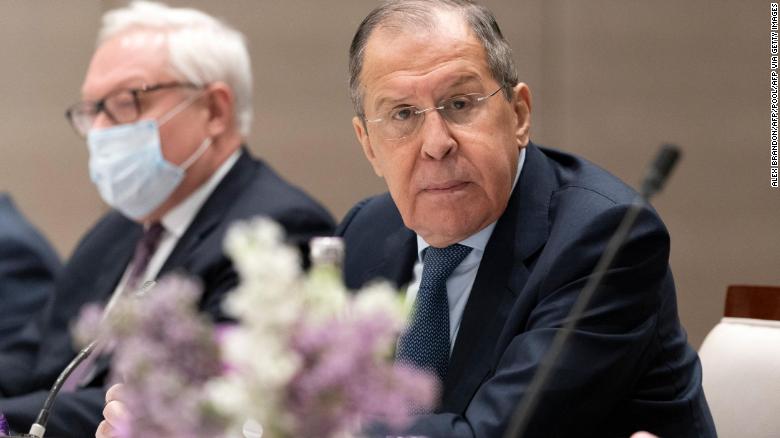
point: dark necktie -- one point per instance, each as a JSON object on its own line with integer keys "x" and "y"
{"x": 143, "y": 253}
{"x": 426, "y": 343}
{"x": 144, "y": 250}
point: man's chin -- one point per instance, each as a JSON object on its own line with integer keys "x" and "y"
{"x": 446, "y": 231}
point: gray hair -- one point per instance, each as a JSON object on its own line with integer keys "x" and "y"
{"x": 201, "y": 49}
{"x": 401, "y": 13}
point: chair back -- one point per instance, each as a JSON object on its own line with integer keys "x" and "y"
{"x": 741, "y": 364}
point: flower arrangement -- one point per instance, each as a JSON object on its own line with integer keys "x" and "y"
{"x": 305, "y": 358}
{"x": 4, "y": 429}
{"x": 165, "y": 351}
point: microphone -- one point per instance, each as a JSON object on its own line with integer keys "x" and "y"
{"x": 38, "y": 429}
{"x": 656, "y": 176}
{"x": 659, "y": 171}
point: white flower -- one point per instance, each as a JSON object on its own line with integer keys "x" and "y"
{"x": 228, "y": 394}
{"x": 259, "y": 253}
{"x": 382, "y": 299}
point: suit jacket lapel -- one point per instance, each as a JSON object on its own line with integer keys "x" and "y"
{"x": 211, "y": 213}
{"x": 520, "y": 232}
{"x": 399, "y": 254}
{"x": 117, "y": 257}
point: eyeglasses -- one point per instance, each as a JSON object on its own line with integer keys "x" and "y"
{"x": 121, "y": 106}
{"x": 403, "y": 121}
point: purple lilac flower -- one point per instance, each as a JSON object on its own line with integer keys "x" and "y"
{"x": 165, "y": 356}
{"x": 88, "y": 325}
{"x": 4, "y": 429}
{"x": 345, "y": 381}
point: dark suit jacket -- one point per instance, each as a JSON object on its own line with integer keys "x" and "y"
{"x": 627, "y": 367}
{"x": 29, "y": 369}
{"x": 28, "y": 265}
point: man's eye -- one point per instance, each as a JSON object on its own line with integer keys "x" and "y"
{"x": 120, "y": 101}
{"x": 402, "y": 114}
{"x": 122, "y": 104}
{"x": 458, "y": 103}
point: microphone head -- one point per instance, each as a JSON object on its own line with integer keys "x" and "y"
{"x": 666, "y": 159}
{"x": 660, "y": 170}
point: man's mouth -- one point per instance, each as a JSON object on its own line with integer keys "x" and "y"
{"x": 445, "y": 187}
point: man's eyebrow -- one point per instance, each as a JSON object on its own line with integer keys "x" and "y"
{"x": 465, "y": 79}
{"x": 132, "y": 82}
{"x": 462, "y": 79}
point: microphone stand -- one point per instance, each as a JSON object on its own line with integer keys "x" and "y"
{"x": 659, "y": 171}
{"x": 39, "y": 427}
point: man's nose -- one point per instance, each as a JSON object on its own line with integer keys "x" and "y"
{"x": 437, "y": 139}
{"x": 101, "y": 120}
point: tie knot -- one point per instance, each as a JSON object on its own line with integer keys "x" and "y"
{"x": 438, "y": 263}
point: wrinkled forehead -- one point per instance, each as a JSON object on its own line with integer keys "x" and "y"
{"x": 401, "y": 49}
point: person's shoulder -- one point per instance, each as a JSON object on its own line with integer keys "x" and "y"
{"x": 585, "y": 189}
{"x": 377, "y": 214}
{"x": 18, "y": 235}
{"x": 13, "y": 224}
{"x": 263, "y": 192}
{"x": 579, "y": 177}
{"x": 11, "y": 220}
{"x": 588, "y": 200}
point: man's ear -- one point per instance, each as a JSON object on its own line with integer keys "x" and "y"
{"x": 522, "y": 107}
{"x": 221, "y": 111}
{"x": 368, "y": 150}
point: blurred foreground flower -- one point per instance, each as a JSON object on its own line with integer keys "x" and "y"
{"x": 165, "y": 351}
{"x": 306, "y": 358}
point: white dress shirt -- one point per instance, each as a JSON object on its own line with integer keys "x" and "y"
{"x": 461, "y": 280}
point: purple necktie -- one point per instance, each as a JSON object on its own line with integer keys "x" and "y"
{"x": 143, "y": 253}
{"x": 144, "y": 250}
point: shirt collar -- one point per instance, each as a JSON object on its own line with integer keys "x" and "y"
{"x": 479, "y": 240}
{"x": 179, "y": 218}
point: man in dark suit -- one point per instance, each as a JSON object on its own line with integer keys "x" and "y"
{"x": 494, "y": 237}
{"x": 166, "y": 106}
{"x": 28, "y": 265}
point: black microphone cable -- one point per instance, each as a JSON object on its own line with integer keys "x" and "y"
{"x": 39, "y": 427}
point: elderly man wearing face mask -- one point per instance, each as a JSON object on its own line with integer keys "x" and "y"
{"x": 166, "y": 108}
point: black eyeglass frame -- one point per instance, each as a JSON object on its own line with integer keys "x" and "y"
{"x": 100, "y": 106}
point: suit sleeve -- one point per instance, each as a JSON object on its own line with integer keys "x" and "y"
{"x": 28, "y": 266}
{"x": 604, "y": 356}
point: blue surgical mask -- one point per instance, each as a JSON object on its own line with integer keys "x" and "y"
{"x": 127, "y": 165}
